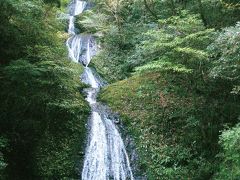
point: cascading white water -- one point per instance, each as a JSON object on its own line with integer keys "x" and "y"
{"x": 106, "y": 156}
{"x": 119, "y": 165}
{"x": 79, "y": 7}
{"x": 71, "y": 28}
{"x": 74, "y": 45}
{"x": 90, "y": 78}
{"x": 76, "y": 10}
{"x": 88, "y": 59}
{"x": 96, "y": 157}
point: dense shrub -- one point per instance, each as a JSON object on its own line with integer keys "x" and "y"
{"x": 42, "y": 113}
{"x": 230, "y": 154}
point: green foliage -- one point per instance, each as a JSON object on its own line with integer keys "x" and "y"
{"x": 3, "y": 164}
{"x": 118, "y": 46}
{"x": 162, "y": 65}
{"x": 230, "y": 154}
{"x": 122, "y": 25}
{"x": 226, "y": 52}
{"x": 174, "y": 104}
{"x": 43, "y": 114}
{"x": 181, "y": 42}
{"x": 214, "y": 13}
{"x": 23, "y": 25}
{"x": 160, "y": 112}
{"x": 92, "y": 22}
{"x": 231, "y": 4}
{"x": 54, "y": 2}
{"x": 45, "y": 101}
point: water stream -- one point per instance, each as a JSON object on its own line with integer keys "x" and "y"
{"x": 106, "y": 156}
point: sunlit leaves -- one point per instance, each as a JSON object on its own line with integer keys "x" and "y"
{"x": 192, "y": 54}
{"x": 226, "y": 52}
{"x": 230, "y": 154}
{"x": 180, "y": 39}
{"x": 162, "y": 65}
{"x": 95, "y": 22}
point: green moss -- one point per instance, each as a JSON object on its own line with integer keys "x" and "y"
{"x": 229, "y": 154}
{"x": 161, "y": 117}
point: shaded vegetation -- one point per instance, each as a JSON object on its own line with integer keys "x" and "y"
{"x": 229, "y": 167}
{"x": 43, "y": 114}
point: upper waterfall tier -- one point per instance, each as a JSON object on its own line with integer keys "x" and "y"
{"x": 81, "y": 48}
{"x": 75, "y": 8}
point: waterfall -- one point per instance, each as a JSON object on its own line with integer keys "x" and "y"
{"x": 106, "y": 156}
{"x": 71, "y": 29}
{"x": 96, "y": 157}
{"x": 79, "y": 7}
{"x": 90, "y": 78}
{"x": 76, "y": 9}
{"x": 74, "y": 45}
{"x": 88, "y": 59}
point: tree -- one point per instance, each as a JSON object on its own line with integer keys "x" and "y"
{"x": 24, "y": 25}
{"x": 230, "y": 154}
{"x": 226, "y": 51}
